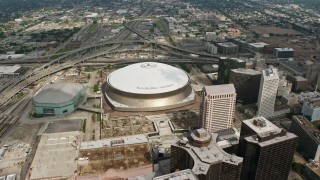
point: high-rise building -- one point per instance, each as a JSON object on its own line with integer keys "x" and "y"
{"x": 267, "y": 150}
{"x": 217, "y": 108}
{"x": 309, "y": 136}
{"x": 268, "y": 92}
{"x": 246, "y": 82}
{"x": 204, "y": 157}
{"x": 225, "y": 66}
{"x": 179, "y": 175}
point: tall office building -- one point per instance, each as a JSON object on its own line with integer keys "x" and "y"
{"x": 267, "y": 150}
{"x": 225, "y": 66}
{"x": 246, "y": 82}
{"x": 268, "y": 92}
{"x": 217, "y": 108}
{"x": 309, "y": 136}
{"x": 208, "y": 161}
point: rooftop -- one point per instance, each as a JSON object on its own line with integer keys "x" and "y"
{"x": 123, "y": 157}
{"x": 246, "y": 71}
{"x": 313, "y": 103}
{"x": 9, "y": 69}
{"x": 283, "y": 49}
{"x": 220, "y": 89}
{"x": 227, "y": 44}
{"x": 186, "y": 174}
{"x": 127, "y": 140}
{"x": 56, "y": 155}
{"x": 57, "y": 93}
{"x": 300, "y": 78}
{"x": 274, "y": 140}
{"x": 233, "y": 59}
{"x": 148, "y": 78}
{"x": 292, "y": 66}
{"x": 262, "y": 126}
{"x": 270, "y": 74}
{"x": 258, "y": 44}
{"x": 204, "y": 156}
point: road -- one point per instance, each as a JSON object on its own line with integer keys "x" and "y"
{"x": 42, "y": 71}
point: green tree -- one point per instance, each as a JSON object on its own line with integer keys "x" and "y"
{"x": 96, "y": 88}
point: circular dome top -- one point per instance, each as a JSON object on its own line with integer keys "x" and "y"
{"x": 57, "y": 93}
{"x": 148, "y": 78}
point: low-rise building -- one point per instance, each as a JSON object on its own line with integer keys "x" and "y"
{"x": 311, "y": 108}
{"x": 291, "y": 68}
{"x": 117, "y": 158}
{"x": 257, "y": 47}
{"x": 227, "y": 48}
{"x": 283, "y": 53}
{"x": 284, "y": 87}
{"x": 290, "y": 99}
{"x": 10, "y": 71}
{"x": 299, "y": 83}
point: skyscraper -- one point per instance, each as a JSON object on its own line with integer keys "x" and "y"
{"x": 267, "y": 150}
{"x": 217, "y": 108}
{"x": 225, "y": 66}
{"x": 246, "y": 83}
{"x": 268, "y": 92}
{"x": 204, "y": 157}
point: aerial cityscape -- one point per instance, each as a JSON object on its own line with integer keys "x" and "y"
{"x": 160, "y": 90}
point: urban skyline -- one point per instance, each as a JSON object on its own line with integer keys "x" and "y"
{"x": 158, "y": 90}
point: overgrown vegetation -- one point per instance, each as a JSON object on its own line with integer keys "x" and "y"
{"x": 83, "y": 125}
{"x": 96, "y": 88}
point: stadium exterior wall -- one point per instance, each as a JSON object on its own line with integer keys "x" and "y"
{"x": 123, "y": 101}
{"x": 61, "y": 108}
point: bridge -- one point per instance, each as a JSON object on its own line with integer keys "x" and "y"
{"x": 89, "y": 109}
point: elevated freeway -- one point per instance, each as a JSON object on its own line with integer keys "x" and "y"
{"x": 92, "y": 51}
{"x": 102, "y": 46}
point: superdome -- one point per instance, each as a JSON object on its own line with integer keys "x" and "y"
{"x": 58, "y": 98}
{"x": 148, "y": 86}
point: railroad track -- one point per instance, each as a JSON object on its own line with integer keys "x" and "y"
{"x": 11, "y": 116}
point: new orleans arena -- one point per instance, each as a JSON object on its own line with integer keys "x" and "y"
{"x": 148, "y": 86}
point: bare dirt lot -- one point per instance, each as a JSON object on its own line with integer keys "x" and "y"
{"x": 273, "y": 30}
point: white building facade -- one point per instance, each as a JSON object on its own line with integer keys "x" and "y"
{"x": 217, "y": 108}
{"x": 268, "y": 92}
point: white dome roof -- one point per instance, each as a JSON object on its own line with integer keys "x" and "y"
{"x": 148, "y": 78}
